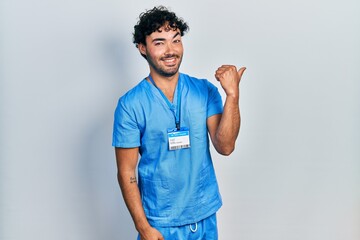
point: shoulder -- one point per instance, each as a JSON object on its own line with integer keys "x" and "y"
{"x": 136, "y": 93}
{"x": 190, "y": 79}
{"x": 133, "y": 98}
{"x": 200, "y": 83}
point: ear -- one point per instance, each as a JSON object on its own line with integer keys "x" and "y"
{"x": 142, "y": 49}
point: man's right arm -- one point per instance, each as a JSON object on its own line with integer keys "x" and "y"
{"x": 126, "y": 159}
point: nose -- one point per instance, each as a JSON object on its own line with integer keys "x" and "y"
{"x": 169, "y": 49}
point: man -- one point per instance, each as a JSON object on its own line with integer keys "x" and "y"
{"x": 166, "y": 119}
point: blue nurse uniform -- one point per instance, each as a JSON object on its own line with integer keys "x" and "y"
{"x": 177, "y": 187}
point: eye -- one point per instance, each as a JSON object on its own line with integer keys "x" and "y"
{"x": 158, "y": 43}
{"x": 177, "y": 41}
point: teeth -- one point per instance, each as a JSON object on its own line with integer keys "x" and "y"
{"x": 169, "y": 60}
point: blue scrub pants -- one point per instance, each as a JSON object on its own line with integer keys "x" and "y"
{"x": 206, "y": 229}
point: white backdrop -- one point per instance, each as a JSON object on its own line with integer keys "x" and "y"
{"x": 295, "y": 174}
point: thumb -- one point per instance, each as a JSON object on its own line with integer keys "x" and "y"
{"x": 241, "y": 71}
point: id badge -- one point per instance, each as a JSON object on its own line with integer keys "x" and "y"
{"x": 178, "y": 138}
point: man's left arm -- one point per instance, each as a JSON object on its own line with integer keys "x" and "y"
{"x": 224, "y": 128}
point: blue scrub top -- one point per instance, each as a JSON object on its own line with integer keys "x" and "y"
{"x": 177, "y": 187}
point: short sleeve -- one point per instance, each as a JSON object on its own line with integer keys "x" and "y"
{"x": 126, "y": 133}
{"x": 214, "y": 105}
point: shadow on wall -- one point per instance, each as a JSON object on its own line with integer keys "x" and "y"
{"x": 108, "y": 217}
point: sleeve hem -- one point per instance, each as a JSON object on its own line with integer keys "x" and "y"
{"x": 125, "y": 145}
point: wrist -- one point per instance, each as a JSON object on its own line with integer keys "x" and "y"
{"x": 232, "y": 92}
{"x": 233, "y": 96}
{"x": 143, "y": 227}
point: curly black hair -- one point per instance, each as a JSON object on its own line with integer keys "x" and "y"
{"x": 152, "y": 20}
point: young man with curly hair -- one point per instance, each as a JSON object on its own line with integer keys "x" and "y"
{"x": 167, "y": 119}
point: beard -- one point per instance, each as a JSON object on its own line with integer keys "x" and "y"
{"x": 165, "y": 71}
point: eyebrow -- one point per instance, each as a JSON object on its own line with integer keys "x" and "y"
{"x": 176, "y": 35}
{"x": 163, "y": 39}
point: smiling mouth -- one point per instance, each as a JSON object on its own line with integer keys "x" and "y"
{"x": 169, "y": 61}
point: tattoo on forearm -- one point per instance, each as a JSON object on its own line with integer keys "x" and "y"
{"x": 132, "y": 179}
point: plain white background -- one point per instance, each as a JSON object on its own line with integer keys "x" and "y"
{"x": 295, "y": 174}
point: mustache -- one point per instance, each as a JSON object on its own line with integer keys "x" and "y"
{"x": 170, "y": 56}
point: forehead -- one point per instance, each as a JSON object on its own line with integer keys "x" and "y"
{"x": 165, "y": 32}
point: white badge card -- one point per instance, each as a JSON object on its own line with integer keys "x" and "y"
{"x": 178, "y": 138}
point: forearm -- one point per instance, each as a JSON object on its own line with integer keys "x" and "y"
{"x": 131, "y": 195}
{"x": 225, "y": 129}
{"x": 229, "y": 126}
{"x": 126, "y": 159}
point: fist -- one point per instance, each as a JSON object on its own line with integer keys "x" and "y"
{"x": 229, "y": 78}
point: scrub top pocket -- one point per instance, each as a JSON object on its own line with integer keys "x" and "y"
{"x": 155, "y": 195}
{"x": 198, "y": 128}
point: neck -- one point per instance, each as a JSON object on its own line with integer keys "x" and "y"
{"x": 163, "y": 81}
{"x": 166, "y": 84}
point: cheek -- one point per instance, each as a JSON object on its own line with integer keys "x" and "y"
{"x": 154, "y": 53}
{"x": 179, "y": 48}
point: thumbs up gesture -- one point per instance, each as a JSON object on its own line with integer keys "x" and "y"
{"x": 229, "y": 78}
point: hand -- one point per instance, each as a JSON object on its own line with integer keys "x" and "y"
{"x": 229, "y": 78}
{"x": 151, "y": 234}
